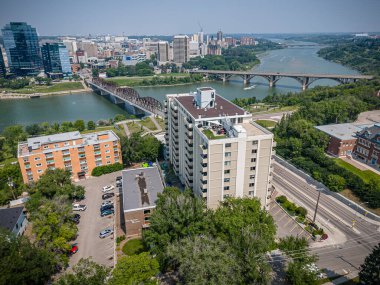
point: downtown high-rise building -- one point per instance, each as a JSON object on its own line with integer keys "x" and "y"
{"x": 216, "y": 149}
{"x": 163, "y": 51}
{"x": 219, "y": 36}
{"x": 181, "y": 50}
{"x": 22, "y": 49}
{"x": 3, "y": 71}
{"x": 56, "y": 60}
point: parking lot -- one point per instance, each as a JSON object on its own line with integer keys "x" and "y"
{"x": 91, "y": 223}
{"x": 286, "y": 226}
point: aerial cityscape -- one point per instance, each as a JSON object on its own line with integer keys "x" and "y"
{"x": 189, "y": 142}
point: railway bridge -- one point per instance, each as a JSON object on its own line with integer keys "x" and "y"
{"x": 305, "y": 79}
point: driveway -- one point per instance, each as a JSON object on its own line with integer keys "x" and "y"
{"x": 89, "y": 243}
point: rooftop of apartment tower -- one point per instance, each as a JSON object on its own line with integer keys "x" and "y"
{"x": 220, "y": 107}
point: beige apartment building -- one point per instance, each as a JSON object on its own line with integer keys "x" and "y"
{"x": 215, "y": 147}
{"x": 181, "y": 49}
{"x": 78, "y": 153}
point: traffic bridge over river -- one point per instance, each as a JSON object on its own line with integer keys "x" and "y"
{"x": 127, "y": 97}
{"x": 305, "y": 79}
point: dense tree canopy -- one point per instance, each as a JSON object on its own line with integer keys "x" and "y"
{"x": 370, "y": 270}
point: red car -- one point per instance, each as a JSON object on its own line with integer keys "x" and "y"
{"x": 74, "y": 248}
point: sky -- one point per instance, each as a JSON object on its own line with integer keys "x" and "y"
{"x": 168, "y": 17}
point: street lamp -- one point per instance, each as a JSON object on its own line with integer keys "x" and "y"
{"x": 316, "y": 206}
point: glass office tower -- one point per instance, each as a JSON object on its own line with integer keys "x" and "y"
{"x": 3, "y": 72}
{"x": 21, "y": 46}
{"x": 56, "y": 60}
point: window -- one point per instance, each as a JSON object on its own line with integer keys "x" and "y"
{"x": 212, "y": 95}
{"x": 226, "y": 179}
{"x": 254, "y": 151}
{"x": 108, "y": 162}
{"x": 253, "y": 159}
{"x": 107, "y": 151}
{"x": 227, "y": 163}
{"x": 56, "y": 145}
{"x": 108, "y": 156}
{"x": 39, "y": 170}
{"x": 240, "y": 120}
{"x": 146, "y": 211}
{"x": 146, "y": 219}
{"x": 254, "y": 142}
{"x": 253, "y": 168}
{"x": 46, "y": 146}
{"x": 37, "y": 158}
{"x": 227, "y": 154}
{"x": 251, "y": 184}
{"x": 251, "y": 176}
{"x": 38, "y": 164}
{"x": 228, "y": 145}
{"x": 226, "y": 188}
{"x": 251, "y": 193}
{"x": 106, "y": 145}
{"x": 227, "y": 171}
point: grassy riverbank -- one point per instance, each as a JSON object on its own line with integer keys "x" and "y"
{"x": 58, "y": 87}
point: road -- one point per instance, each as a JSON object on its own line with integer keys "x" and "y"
{"x": 360, "y": 240}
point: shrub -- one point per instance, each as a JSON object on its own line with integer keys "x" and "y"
{"x": 301, "y": 211}
{"x": 120, "y": 239}
{"x": 300, "y": 219}
{"x": 281, "y": 199}
{"x": 133, "y": 246}
{"x": 104, "y": 169}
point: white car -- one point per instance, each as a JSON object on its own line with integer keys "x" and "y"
{"x": 105, "y": 233}
{"x": 108, "y": 188}
{"x": 106, "y": 203}
{"x": 78, "y": 207}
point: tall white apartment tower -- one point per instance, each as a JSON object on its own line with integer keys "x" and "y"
{"x": 216, "y": 149}
{"x": 181, "y": 50}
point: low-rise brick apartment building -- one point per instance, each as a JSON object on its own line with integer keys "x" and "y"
{"x": 367, "y": 148}
{"x": 78, "y": 153}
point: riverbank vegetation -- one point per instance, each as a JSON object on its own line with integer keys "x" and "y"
{"x": 302, "y": 144}
{"x": 360, "y": 54}
{"x": 56, "y": 87}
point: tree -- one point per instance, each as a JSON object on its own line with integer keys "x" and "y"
{"x": 12, "y": 135}
{"x": 10, "y": 172}
{"x": 370, "y": 269}
{"x": 204, "y": 260}
{"x": 85, "y": 271}
{"x": 95, "y": 72}
{"x": 91, "y": 125}
{"x": 119, "y": 117}
{"x": 335, "y": 183}
{"x": 177, "y": 215}
{"x": 33, "y": 129}
{"x": 22, "y": 263}
{"x": 135, "y": 269}
{"x": 79, "y": 125}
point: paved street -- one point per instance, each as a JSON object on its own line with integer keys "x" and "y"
{"x": 89, "y": 243}
{"x": 352, "y": 245}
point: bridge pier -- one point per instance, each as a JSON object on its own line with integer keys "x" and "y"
{"x": 305, "y": 83}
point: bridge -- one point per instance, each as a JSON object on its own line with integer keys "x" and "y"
{"x": 305, "y": 79}
{"x": 127, "y": 98}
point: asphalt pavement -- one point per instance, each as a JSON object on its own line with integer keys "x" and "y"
{"x": 359, "y": 240}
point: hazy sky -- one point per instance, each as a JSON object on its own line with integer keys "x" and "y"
{"x": 167, "y": 17}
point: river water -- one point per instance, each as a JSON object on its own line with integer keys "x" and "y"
{"x": 89, "y": 106}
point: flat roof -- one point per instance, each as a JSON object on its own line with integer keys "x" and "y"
{"x": 36, "y": 142}
{"x": 340, "y": 131}
{"x": 140, "y": 188}
{"x": 9, "y": 217}
{"x": 222, "y": 107}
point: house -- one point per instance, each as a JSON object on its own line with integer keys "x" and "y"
{"x": 140, "y": 191}
{"x": 367, "y": 147}
{"x": 13, "y": 220}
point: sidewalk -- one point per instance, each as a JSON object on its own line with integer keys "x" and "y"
{"x": 343, "y": 279}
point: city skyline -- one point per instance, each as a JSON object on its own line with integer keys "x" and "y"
{"x": 257, "y": 17}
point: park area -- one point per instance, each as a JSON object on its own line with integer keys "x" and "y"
{"x": 57, "y": 87}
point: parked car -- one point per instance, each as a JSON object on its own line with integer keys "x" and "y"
{"x": 105, "y": 233}
{"x": 119, "y": 178}
{"x": 107, "y": 196}
{"x": 108, "y": 188}
{"x": 74, "y": 248}
{"x": 106, "y": 207}
{"x": 107, "y": 212}
{"x": 78, "y": 207}
{"x": 106, "y": 203}
{"x": 76, "y": 218}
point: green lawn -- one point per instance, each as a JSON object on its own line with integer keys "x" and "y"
{"x": 210, "y": 135}
{"x": 366, "y": 175}
{"x": 266, "y": 123}
{"x": 63, "y": 86}
{"x": 147, "y": 122}
{"x": 133, "y": 246}
{"x": 265, "y": 109}
{"x": 134, "y": 127}
{"x": 161, "y": 122}
{"x": 136, "y": 80}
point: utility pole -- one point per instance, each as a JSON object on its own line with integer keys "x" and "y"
{"x": 316, "y": 206}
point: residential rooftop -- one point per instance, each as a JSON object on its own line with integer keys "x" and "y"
{"x": 340, "y": 131}
{"x": 35, "y": 143}
{"x": 9, "y": 217}
{"x": 140, "y": 188}
{"x": 222, "y": 108}
{"x": 371, "y": 133}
